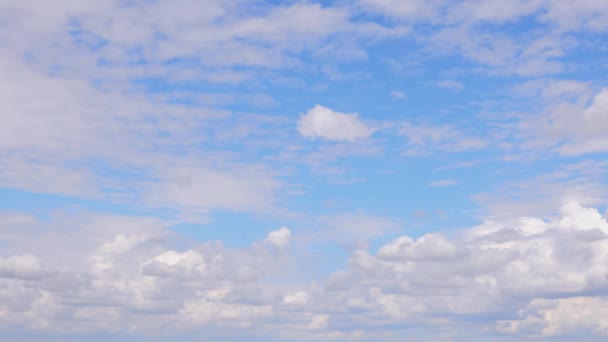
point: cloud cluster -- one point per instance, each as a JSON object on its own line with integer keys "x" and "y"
{"x": 520, "y": 276}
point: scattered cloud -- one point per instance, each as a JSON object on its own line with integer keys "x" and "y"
{"x": 325, "y": 123}
{"x": 279, "y": 238}
{"x": 570, "y": 128}
{"x": 124, "y": 122}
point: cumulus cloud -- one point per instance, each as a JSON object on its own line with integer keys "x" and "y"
{"x": 555, "y": 317}
{"x": 498, "y": 267}
{"x": 522, "y": 276}
{"x": 325, "y": 123}
{"x": 279, "y": 238}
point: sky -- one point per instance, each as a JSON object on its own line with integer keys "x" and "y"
{"x": 364, "y": 170}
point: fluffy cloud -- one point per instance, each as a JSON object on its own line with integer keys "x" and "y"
{"x": 536, "y": 272}
{"x": 131, "y": 272}
{"x": 554, "y": 317}
{"x": 279, "y": 238}
{"x": 498, "y": 267}
{"x": 322, "y": 122}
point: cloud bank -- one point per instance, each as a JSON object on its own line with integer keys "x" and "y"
{"x": 520, "y": 276}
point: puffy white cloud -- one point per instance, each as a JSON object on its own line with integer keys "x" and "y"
{"x": 498, "y": 267}
{"x": 430, "y": 246}
{"x": 279, "y": 238}
{"x": 322, "y": 122}
{"x": 521, "y": 276}
{"x": 554, "y": 317}
{"x": 171, "y": 263}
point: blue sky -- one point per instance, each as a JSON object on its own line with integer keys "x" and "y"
{"x": 299, "y": 170}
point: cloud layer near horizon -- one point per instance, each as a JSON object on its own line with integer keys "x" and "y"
{"x": 525, "y": 272}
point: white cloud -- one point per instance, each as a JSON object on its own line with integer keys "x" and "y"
{"x": 76, "y": 106}
{"x": 500, "y": 54}
{"x": 541, "y": 194}
{"x": 555, "y": 317}
{"x": 569, "y": 128}
{"x": 322, "y": 122}
{"x": 498, "y": 267}
{"x": 279, "y": 238}
{"x": 171, "y": 263}
{"x": 582, "y": 15}
{"x": 430, "y": 246}
{"x": 501, "y": 268}
{"x": 198, "y": 189}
